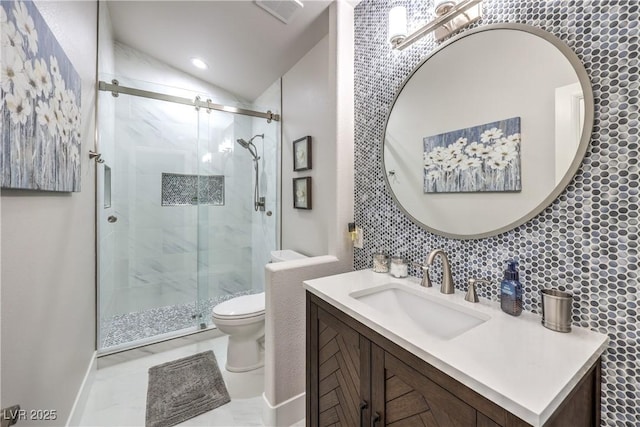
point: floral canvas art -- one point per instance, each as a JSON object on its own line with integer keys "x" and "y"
{"x": 40, "y": 104}
{"x": 477, "y": 159}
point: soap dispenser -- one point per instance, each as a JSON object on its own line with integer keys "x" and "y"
{"x": 511, "y": 290}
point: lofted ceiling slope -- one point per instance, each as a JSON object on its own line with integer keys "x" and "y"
{"x": 246, "y": 48}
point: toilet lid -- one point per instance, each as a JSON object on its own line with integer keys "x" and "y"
{"x": 240, "y": 307}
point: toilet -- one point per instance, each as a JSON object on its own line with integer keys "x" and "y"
{"x": 242, "y": 318}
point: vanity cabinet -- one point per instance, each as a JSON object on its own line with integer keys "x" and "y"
{"x": 357, "y": 377}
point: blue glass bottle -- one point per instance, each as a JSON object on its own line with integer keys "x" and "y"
{"x": 511, "y": 290}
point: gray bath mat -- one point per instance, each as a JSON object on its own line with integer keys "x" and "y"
{"x": 183, "y": 389}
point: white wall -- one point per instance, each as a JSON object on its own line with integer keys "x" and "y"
{"x": 317, "y": 100}
{"x": 48, "y": 246}
{"x": 306, "y": 110}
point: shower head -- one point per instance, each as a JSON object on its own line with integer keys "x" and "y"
{"x": 243, "y": 143}
{"x": 246, "y": 144}
{"x": 250, "y": 147}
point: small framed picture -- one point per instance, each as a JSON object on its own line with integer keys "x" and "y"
{"x": 302, "y": 193}
{"x": 302, "y": 154}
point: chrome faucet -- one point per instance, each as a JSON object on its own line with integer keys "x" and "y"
{"x": 447, "y": 279}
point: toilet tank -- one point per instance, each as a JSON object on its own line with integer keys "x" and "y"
{"x": 285, "y": 255}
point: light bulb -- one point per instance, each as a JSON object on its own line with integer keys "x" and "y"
{"x": 199, "y": 63}
{"x": 397, "y": 24}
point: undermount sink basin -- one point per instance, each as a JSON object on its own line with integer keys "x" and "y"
{"x": 439, "y": 319}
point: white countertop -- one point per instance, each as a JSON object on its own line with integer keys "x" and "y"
{"x": 513, "y": 361}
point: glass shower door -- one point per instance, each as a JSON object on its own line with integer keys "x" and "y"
{"x": 224, "y": 211}
{"x": 148, "y": 234}
{"x": 234, "y": 237}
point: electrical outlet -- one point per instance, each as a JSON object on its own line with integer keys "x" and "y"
{"x": 358, "y": 243}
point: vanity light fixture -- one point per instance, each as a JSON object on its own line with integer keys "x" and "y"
{"x": 199, "y": 63}
{"x": 450, "y": 16}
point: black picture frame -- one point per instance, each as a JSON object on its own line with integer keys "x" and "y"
{"x": 302, "y": 154}
{"x": 302, "y": 193}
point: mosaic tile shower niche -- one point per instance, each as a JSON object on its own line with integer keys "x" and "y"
{"x": 587, "y": 240}
{"x": 187, "y": 190}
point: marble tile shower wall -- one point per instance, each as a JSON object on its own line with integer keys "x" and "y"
{"x": 587, "y": 240}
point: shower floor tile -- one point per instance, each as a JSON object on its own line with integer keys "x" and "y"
{"x": 135, "y": 326}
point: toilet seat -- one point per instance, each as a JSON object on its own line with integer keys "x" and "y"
{"x": 235, "y": 322}
{"x": 243, "y": 307}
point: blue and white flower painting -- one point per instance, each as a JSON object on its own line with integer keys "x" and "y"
{"x": 39, "y": 106}
{"x": 477, "y": 159}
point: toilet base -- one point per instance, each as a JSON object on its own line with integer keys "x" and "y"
{"x": 244, "y": 355}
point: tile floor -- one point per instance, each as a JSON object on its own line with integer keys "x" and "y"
{"x": 118, "y": 394}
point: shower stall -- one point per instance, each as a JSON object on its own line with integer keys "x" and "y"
{"x": 187, "y": 207}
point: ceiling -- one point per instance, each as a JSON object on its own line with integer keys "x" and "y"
{"x": 246, "y": 48}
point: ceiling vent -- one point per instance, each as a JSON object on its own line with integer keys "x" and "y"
{"x": 283, "y": 10}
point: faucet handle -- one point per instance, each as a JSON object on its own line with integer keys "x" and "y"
{"x": 472, "y": 296}
{"x": 426, "y": 280}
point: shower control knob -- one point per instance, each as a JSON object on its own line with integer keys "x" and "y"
{"x": 111, "y": 219}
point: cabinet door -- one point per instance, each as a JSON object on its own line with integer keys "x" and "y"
{"x": 336, "y": 352}
{"x": 403, "y": 397}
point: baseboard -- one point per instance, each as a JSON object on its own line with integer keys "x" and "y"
{"x": 83, "y": 394}
{"x": 285, "y": 414}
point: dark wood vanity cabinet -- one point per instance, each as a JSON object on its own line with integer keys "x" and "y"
{"x": 357, "y": 377}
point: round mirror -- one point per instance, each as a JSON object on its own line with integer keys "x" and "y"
{"x": 487, "y": 131}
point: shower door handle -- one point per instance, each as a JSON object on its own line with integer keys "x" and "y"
{"x": 111, "y": 219}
